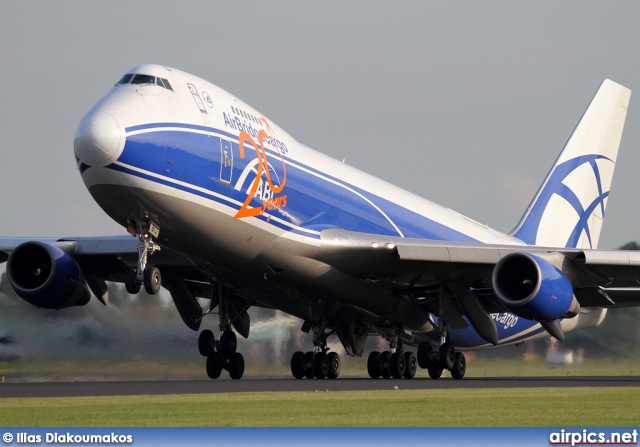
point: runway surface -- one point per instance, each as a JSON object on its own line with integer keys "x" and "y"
{"x": 117, "y": 388}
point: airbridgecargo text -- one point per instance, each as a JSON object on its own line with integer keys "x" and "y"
{"x": 507, "y": 319}
{"x": 237, "y": 124}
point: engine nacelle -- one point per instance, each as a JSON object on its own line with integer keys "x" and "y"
{"x": 47, "y": 277}
{"x": 532, "y": 288}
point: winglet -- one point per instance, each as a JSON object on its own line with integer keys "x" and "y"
{"x": 569, "y": 207}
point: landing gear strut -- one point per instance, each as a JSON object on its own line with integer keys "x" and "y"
{"x": 318, "y": 363}
{"x": 221, "y": 354}
{"x": 143, "y": 274}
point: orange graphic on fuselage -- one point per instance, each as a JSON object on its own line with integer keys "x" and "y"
{"x": 263, "y": 165}
{"x": 268, "y": 126}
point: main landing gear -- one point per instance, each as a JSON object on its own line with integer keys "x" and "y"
{"x": 445, "y": 358}
{"x": 393, "y": 363}
{"x": 319, "y": 363}
{"x": 144, "y": 274}
{"x": 221, "y": 354}
{"x": 389, "y": 364}
{"x": 399, "y": 364}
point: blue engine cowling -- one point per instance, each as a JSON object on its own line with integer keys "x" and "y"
{"x": 47, "y": 277}
{"x": 532, "y": 288}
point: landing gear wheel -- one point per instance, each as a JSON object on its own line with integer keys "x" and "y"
{"x": 206, "y": 342}
{"x": 373, "y": 365}
{"x": 424, "y": 355}
{"x": 297, "y": 364}
{"x": 334, "y": 365}
{"x": 308, "y": 365}
{"x": 434, "y": 372}
{"x": 213, "y": 367}
{"x": 236, "y": 366}
{"x": 459, "y": 366}
{"x": 385, "y": 371}
{"x": 321, "y": 365}
{"x": 152, "y": 280}
{"x": 447, "y": 355}
{"x": 411, "y": 365}
{"x": 397, "y": 365}
{"x": 131, "y": 283}
{"x": 228, "y": 344}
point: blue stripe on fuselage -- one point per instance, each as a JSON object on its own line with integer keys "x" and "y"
{"x": 314, "y": 199}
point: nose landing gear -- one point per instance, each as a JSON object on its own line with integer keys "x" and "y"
{"x": 143, "y": 274}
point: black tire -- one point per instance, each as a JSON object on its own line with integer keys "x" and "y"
{"x": 297, "y": 364}
{"x": 459, "y": 366}
{"x": 334, "y": 365}
{"x": 308, "y": 365}
{"x": 447, "y": 356}
{"x": 213, "y": 367}
{"x": 435, "y": 372}
{"x": 152, "y": 280}
{"x": 236, "y": 366}
{"x": 321, "y": 365}
{"x": 228, "y": 344}
{"x": 385, "y": 371}
{"x": 131, "y": 284}
{"x": 424, "y": 355}
{"x": 397, "y": 365}
{"x": 411, "y": 365}
{"x": 206, "y": 342}
{"x": 373, "y": 365}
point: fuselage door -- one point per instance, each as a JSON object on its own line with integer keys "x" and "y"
{"x": 226, "y": 161}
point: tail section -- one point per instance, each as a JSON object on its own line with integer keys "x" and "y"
{"x": 569, "y": 207}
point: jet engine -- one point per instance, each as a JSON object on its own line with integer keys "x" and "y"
{"x": 532, "y": 288}
{"x": 47, "y": 277}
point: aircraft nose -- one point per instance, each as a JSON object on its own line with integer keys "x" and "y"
{"x": 98, "y": 139}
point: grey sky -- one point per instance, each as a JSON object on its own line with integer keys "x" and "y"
{"x": 465, "y": 103}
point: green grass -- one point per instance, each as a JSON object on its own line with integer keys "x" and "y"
{"x": 464, "y": 407}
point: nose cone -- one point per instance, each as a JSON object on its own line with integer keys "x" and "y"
{"x": 98, "y": 139}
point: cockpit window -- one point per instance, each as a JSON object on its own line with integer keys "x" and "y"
{"x": 143, "y": 79}
{"x": 134, "y": 78}
{"x": 166, "y": 84}
{"x": 125, "y": 79}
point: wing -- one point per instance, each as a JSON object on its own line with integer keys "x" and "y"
{"x": 460, "y": 279}
{"x": 107, "y": 258}
{"x": 90, "y": 262}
